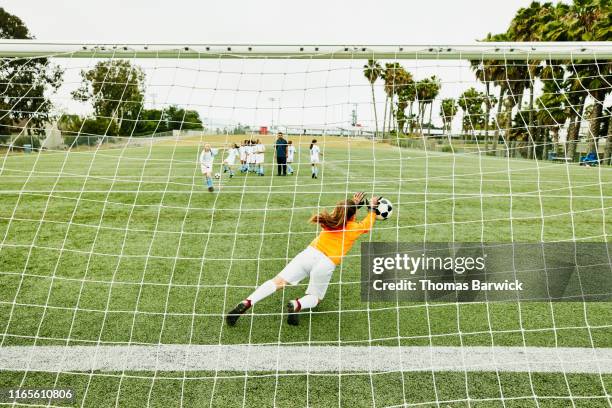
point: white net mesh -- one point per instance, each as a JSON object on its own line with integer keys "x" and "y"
{"x": 117, "y": 265}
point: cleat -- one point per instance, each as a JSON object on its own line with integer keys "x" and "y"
{"x": 232, "y": 317}
{"x": 293, "y": 318}
{"x": 211, "y": 189}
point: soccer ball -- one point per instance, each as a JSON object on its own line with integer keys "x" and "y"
{"x": 384, "y": 209}
{"x": 217, "y": 175}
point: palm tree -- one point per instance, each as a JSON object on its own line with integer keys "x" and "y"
{"x": 471, "y": 102}
{"x": 485, "y": 73}
{"x": 411, "y": 92}
{"x": 500, "y": 104}
{"x": 552, "y": 104}
{"x": 515, "y": 79}
{"x": 493, "y": 71}
{"x": 388, "y": 76}
{"x": 396, "y": 78}
{"x": 448, "y": 110}
{"x": 528, "y": 25}
{"x": 583, "y": 20}
{"x": 405, "y": 94}
{"x": 426, "y": 91}
{"x": 433, "y": 90}
{"x": 490, "y": 102}
{"x": 373, "y": 71}
{"x": 421, "y": 97}
{"x": 576, "y": 98}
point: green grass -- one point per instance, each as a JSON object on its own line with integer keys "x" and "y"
{"x": 450, "y": 389}
{"x": 126, "y": 246}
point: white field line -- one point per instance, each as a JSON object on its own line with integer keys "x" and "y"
{"x": 297, "y": 358}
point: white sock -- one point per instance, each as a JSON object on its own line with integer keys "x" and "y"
{"x": 308, "y": 302}
{"x": 262, "y": 292}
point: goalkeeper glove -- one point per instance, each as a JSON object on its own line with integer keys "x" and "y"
{"x": 369, "y": 206}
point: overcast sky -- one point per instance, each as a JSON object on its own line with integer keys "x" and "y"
{"x": 313, "y": 21}
{"x": 270, "y": 21}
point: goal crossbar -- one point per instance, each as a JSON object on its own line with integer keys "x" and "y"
{"x": 479, "y": 50}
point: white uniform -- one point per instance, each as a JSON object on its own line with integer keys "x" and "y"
{"x": 314, "y": 154}
{"x": 242, "y": 151}
{"x": 206, "y": 160}
{"x": 259, "y": 153}
{"x": 290, "y": 153}
{"x": 249, "y": 154}
{"x": 312, "y": 263}
{"x": 232, "y": 153}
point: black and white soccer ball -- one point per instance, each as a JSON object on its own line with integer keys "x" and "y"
{"x": 384, "y": 209}
{"x": 217, "y": 175}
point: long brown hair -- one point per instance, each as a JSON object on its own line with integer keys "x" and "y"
{"x": 344, "y": 211}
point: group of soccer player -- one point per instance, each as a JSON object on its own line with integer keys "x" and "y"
{"x": 251, "y": 154}
{"x": 252, "y": 157}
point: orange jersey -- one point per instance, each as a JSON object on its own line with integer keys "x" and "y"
{"x": 336, "y": 243}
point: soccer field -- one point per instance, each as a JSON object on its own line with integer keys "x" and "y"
{"x": 125, "y": 246}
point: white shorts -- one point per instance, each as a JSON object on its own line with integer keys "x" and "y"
{"x": 314, "y": 160}
{"x": 243, "y": 156}
{"x": 206, "y": 168}
{"x": 229, "y": 162}
{"x": 259, "y": 158}
{"x": 312, "y": 263}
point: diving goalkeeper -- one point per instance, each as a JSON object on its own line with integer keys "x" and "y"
{"x": 318, "y": 261}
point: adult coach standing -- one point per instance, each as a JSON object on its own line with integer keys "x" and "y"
{"x": 280, "y": 149}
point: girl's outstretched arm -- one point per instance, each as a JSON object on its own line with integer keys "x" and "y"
{"x": 358, "y": 198}
{"x": 366, "y": 224}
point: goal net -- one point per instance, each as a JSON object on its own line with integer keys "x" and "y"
{"x": 118, "y": 264}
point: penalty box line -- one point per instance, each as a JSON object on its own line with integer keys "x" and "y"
{"x": 254, "y": 357}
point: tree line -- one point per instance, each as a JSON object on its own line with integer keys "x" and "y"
{"x": 115, "y": 89}
{"x": 509, "y": 110}
{"x": 570, "y": 89}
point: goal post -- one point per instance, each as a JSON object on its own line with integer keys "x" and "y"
{"x": 484, "y": 50}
